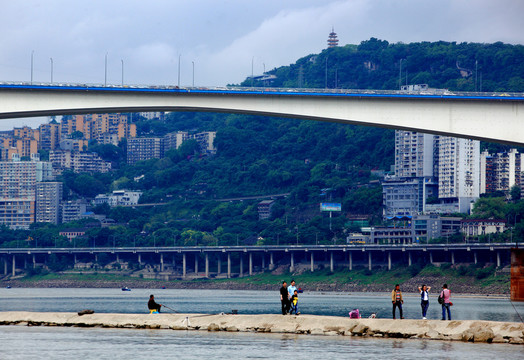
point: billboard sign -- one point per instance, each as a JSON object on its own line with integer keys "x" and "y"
{"x": 330, "y": 207}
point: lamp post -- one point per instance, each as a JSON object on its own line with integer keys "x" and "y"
{"x": 327, "y": 57}
{"x": 400, "y": 75}
{"x": 51, "y": 69}
{"x": 193, "y": 63}
{"x": 252, "y": 74}
{"x": 32, "y": 56}
{"x": 122, "y": 61}
{"x": 105, "y": 71}
{"x": 179, "y": 56}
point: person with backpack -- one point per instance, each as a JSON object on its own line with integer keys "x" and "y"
{"x": 445, "y": 295}
{"x": 396, "y": 299}
{"x": 424, "y": 299}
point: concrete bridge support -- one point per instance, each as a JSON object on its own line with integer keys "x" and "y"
{"x": 331, "y": 263}
{"x": 475, "y": 257}
{"x": 350, "y": 255}
{"x": 161, "y": 262}
{"x": 312, "y": 258}
{"x": 292, "y": 267}
{"x": 271, "y": 261}
{"x": 389, "y": 260}
{"x": 184, "y": 264}
{"x": 241, "y": 270}
{"x": 196, "y": 263}
{"x": 498, "y": 259}
{"x": 430, "y": 257}
{"x": 250, "y": 264}
{"x": 452, "y": 258}
{"x": 14, "y": 265}
{"x": 5, "y": 265}
{"x": 409, "y": 259}
{"x": 207, "y": 265}
{"x": 369, "y": 260}
{"x": 140, "y": 259}
{"x": 34, "y": 261}
{"x": 229, "y": 265}
{"x": 219, "y": 264}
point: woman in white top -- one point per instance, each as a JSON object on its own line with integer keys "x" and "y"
{"x": 424, "y": 299}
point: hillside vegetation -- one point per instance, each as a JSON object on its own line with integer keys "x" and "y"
{"x": 312, "y": 161}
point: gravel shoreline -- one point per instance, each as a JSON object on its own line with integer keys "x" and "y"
{"x": 408, "y": 286}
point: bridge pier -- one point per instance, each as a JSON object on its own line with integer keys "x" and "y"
{"x": 250, "y": 264}
{"x": 241, "y": 271}
{"x": 292, "y": 267}
{"x": 369, "y": 260}
{"x": 140, "y": 259}
{"x": 271, "y": 262}
{"x": 219, "y": 264}
{"x": 14, "y": 265}
{"x": 207, "y": 265}
{"x": 263, "y": 262}
{"x": 312, "y": 258}
{"x": 498, "y": 259}
{"x": 475, "y": 257}
{"x": 409, "y": 258}
{"x": 430, "y": 257}
{"x": 161, "y": 262}
{"x": 34, "y": 261}
{"x": 196, "y": 263}
{"x": 350, "y": 261}
{"x": 389, "y": 260}
{"x": 452, "y": 258}
{"x": 184, "y": 263}
{"x": 5, "y": 265}
{"x": 331, "y": 263}
{"x": 229, "y": 265}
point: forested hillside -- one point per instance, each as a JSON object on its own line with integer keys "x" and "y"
{"x": 312, "y": 161}
{"x": 376, "y": 64}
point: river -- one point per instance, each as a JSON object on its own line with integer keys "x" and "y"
{"x": 22, "y": 342}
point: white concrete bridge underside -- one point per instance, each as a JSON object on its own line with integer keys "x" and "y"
{"x": 489, "y": 119}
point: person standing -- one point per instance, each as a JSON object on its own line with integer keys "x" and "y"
{"x": 396, "y": 299}
{"x": 424, "y": 299}
{"x": 284, "y": 298}
{"x": 446, "y": 302}
{"x": 291, "y": 290}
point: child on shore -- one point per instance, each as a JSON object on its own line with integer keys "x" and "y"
{"x": 294, "y": 303}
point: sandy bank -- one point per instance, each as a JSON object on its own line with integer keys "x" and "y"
{"x": 458, "y": 330}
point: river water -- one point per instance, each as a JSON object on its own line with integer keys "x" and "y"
{"x": 22, "y": 342}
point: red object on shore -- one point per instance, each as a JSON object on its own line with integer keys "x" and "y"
{"x": 517, "y": 274}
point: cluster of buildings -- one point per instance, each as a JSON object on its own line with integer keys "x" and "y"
{"x": 436, "y": 176}
{"x": 67, "y": 141}
{"x": 145, "y": 148}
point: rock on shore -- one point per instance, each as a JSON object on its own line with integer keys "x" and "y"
{"x": 458, "y": 330}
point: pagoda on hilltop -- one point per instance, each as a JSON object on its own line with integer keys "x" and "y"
{"x": 332, "y": 39}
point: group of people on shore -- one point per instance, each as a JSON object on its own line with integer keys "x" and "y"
{"x": 289, "y": 298}
{"x": 444, "y": 299}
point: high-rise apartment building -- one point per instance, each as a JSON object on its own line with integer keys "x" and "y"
{"x": 48, "y": 198}
{"x": 501, "y": 171}
{"x": 139, "y": 149}
{"x": 18, "y": 181}
{"x": 445, "y": 169}
{"x": 78, "y": 161}
{"x": 459, "y": 171}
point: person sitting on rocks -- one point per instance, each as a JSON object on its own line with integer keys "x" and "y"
{"x": 152, "y": 305}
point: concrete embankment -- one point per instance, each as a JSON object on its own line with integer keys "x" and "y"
{"x": 458, "y": 330}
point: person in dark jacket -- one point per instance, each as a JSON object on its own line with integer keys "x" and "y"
{"x": 152, "y": 305}
{"x": 284, "y": 298}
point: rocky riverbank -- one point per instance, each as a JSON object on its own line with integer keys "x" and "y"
{"x": 457, "y": 330}
{"x": 462, "y": 285}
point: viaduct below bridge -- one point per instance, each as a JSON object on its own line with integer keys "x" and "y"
{"x": 169, "y": 263}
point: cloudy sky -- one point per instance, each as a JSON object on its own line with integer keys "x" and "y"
{"x": 221, "y": 38}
